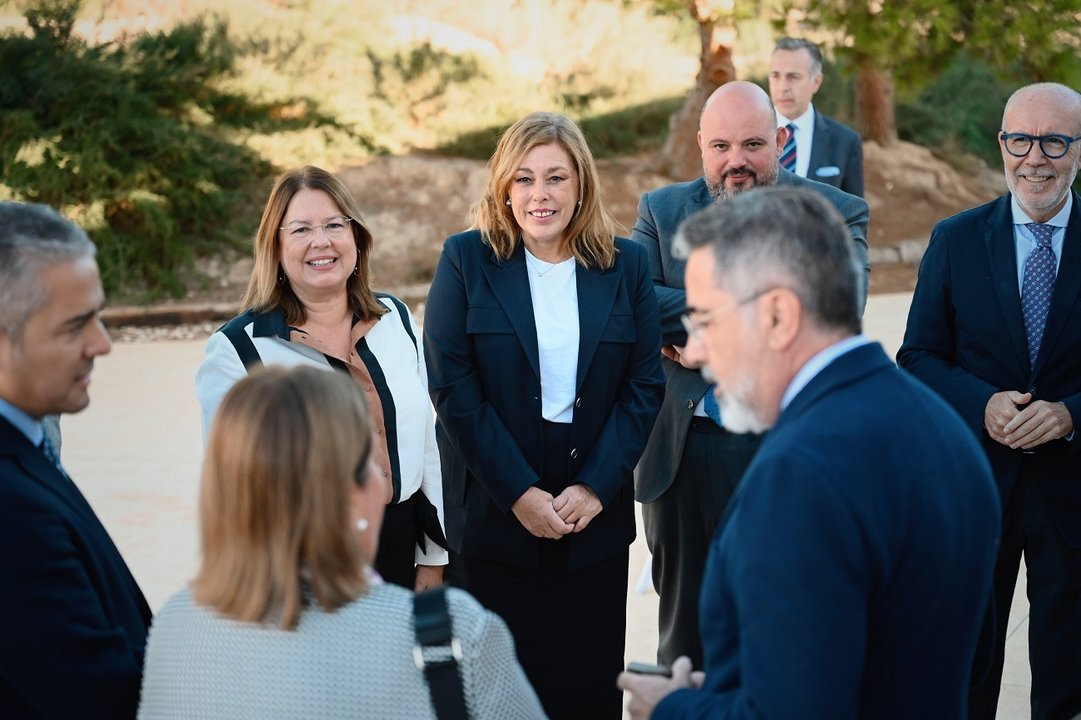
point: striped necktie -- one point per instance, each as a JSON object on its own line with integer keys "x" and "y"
{"x": 1036, "y": 288}
{"x": 788, "y": 154}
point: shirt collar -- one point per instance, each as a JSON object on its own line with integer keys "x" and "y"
{"x": 1060, "y": 218}
{"x": 25, "y": 424}
{"x": 803, "y": 123}
{"x": 818, "y": 363}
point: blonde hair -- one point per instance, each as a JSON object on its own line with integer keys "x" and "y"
{"x": 284, "y": 452}
{"x": 268, "y": 289}
{"x": 590, "y": 234}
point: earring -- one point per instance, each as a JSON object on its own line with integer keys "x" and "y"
{"x": 507, "y": 202}
{"x": 281, "y": 279}
{"x": 579, "y": 203}
{"x": 362, "y": 524}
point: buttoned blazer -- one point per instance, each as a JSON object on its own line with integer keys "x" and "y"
{"x": 851, "y": 574}
{"x": 74, "y": 621}
{"x": 966, "y": 339}
{"x": 480, "y": 340}
{"x": 660, "y": 213}
{"x": 836, "y": 155}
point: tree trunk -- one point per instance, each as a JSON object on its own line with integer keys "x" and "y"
{"x": 874, "y": 104}
{"x": 680, "y": 158}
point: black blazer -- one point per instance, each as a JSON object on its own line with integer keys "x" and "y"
{"x": 480, "y": 343}
{"x": 74, "y": 620}
{"x": 966, "y": 339}
{"x": 836, "y": 155}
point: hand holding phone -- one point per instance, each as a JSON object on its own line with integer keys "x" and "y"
{"x": 641, "y": 668}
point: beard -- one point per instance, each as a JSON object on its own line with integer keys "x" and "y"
{"x": 1043, "y": 199}
{"x": 737, "y": 413}
{"x": 721, "y": 193}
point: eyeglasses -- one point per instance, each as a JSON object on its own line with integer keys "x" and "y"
{"x": 1053, "y": 146}
{"x": 694, "y": 326}
{"x": 334, "y": 228}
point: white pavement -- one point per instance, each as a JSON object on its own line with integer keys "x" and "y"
{"x": 136, "y": 453}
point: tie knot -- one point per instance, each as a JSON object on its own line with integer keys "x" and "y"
{"x": 790, "y": 128}
{"x": 1042, "y": 232}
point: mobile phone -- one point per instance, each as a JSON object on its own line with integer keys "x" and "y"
{"x": 641, "y": 668}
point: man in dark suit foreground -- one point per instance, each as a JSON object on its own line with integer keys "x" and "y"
{"x": 72, "y": 619}
{"x": 995, "y": 329}
{"x": 692, "y": 462}
{"x": 849, "y": 578}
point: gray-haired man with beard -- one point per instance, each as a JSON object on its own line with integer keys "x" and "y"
{"x": 692, "y": 464}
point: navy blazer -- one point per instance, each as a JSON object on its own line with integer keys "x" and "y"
{"x": 966, "y": 339}
{"x": 836, "y": 155}
{"x": 480, "y": 344}
{"x": 660, "y": 213}
{"x": 850, "y": 577}
{"x": 74, "y": 619}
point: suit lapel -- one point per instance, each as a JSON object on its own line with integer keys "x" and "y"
{"x": 596, "y": 295}
{"x": 1067, "y": 286}
{"x": 510, "y": 285}
{"x": 820, "y": 145}
{"x": 998, "y": 238}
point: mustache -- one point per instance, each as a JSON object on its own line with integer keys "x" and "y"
{"x": 744, "y": 170}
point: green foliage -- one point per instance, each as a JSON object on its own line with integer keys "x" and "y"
{"x": 621, "y": 132}
{"x": 133, "y": 141}
{"x": 961, "y": 109}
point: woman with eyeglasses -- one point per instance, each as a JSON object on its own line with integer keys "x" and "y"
{"x": 284, "y": 619}
{"x": 309, "y": 302}
{"x": 543, "y": 342}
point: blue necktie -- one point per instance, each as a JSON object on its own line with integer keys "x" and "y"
{"x": 788, "y": 154}
{"x": 52, "y": 454}
{"x": 709, "y": 404}
{"x": 1036, "y": 287}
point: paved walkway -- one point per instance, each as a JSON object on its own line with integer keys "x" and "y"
{"x": 136, "y": 453}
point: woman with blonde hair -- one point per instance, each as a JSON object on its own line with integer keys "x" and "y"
{"x": 284, "y": 619}
{"x": 309, "y": 302}
{"x": 542, "y": 337}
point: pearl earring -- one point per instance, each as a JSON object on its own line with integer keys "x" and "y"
{"x": 362, "y": 524}
{"x": 507, "y": 202}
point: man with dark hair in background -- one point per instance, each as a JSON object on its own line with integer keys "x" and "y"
{"x": 817, "y": 147}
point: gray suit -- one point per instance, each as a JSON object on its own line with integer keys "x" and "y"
{"x": 708, "y": 463}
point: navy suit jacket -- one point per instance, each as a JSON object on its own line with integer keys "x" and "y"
{"x": 660, "y": 213}
{"x": 480, "y": 344}
{"x": 74, "y": 620}
{"x": 836, "y": 155}
{"x": 851, "y": 575}
{"x": 966, "y": 339}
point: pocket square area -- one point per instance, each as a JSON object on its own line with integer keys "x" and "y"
{"x": 828, "y": 171}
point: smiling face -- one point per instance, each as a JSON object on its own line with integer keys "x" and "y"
{"x": 739, "y": 140}
{"x": 544, "y": 194}
{"x": 48, "y": 370}
{"x": 1039, "y": 183}
{"x": 316, "y": 262}
{"x": 792, "y": 84}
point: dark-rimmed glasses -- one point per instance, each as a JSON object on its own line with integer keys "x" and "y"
{"x": 1052, "y": 146}
{"x": 335, "y": 228}
{"x": 694, "y": 325}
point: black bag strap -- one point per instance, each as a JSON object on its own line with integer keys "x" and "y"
{"x": 438, "y": 652}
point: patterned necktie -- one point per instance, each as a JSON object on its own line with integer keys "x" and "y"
{"x": 52, "y": 454}
{"x": 1036, "y": 288}
{"x": 788, "y": 155}
{"x": 709, "y": 404}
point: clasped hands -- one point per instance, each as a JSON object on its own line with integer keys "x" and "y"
{"x": 551, "y": 517}
{"x": 1012, "y": 419}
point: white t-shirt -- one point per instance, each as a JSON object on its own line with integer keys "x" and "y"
{"x": 555, "y": 308}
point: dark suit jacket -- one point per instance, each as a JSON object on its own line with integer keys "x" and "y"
{"x": 74, "y": 620}
{"x": 836, "y": 155}
{"x": 480, "y": 343}
{"x": 966, "y": 339}
{"x": 850, "y": 578}
{"x": 660, "y": 213}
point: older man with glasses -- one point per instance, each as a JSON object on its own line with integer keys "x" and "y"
{"x": 995, "y": 328}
